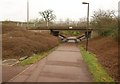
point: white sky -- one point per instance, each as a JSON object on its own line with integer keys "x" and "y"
{"x": 74, "y": 9}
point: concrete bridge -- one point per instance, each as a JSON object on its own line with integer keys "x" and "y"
{"x": 55, "y": 30}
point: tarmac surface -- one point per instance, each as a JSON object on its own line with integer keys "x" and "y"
{"x": 65, "y": 64}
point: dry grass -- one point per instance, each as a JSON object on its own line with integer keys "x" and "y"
{"x": 18, "y": 42}
{"x": 106, "y": 50}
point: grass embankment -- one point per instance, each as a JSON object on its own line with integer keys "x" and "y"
{"x": 19, "y": 42}
{"x": 98, "y": 73}
{"x": 35, "y": 58}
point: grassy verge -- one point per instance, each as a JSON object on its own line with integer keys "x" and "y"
{"x": 35, "y": 58}
{"x": 98, "y": 73}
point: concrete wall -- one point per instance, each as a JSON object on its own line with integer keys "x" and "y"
{"x": 94, "y": 34}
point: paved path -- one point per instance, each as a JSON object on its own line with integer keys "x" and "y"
{"x": 65, "y": 64}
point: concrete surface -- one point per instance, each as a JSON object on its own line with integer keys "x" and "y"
{"x": 65, "y": 64}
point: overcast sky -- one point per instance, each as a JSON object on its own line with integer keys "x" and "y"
{"x": 74, "y": 9}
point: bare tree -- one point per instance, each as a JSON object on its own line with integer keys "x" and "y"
{"x": 106, "y": 21}
{"x": 48, "y": 15}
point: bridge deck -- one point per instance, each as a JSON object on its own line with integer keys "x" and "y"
{"x": 59, "y": 28}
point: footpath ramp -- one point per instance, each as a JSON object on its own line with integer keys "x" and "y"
{"x": 65, "y": 64}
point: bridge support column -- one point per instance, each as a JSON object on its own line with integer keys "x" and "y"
{"x": 54, "y": 33}
{"x": 89, "y": 34}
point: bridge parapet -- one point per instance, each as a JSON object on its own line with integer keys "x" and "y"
{"x": 58, "y": 28}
